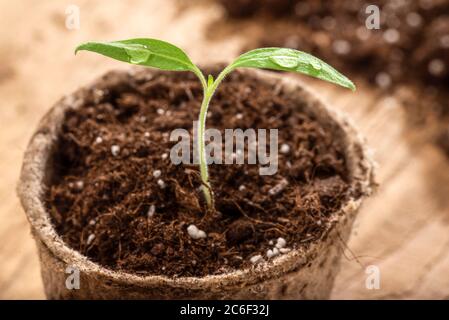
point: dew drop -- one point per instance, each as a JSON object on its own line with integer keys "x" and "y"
{"x": 285, "y": 62}
{"x": 138, "y": 54}
{"x": 315, "y": 64}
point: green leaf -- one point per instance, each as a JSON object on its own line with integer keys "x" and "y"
{"x": 145, "y": 52}
{"x": 284, "y": 59}
{"x": 210, "y": 80}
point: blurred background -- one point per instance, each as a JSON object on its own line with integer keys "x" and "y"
{"x": 401, "y": 106}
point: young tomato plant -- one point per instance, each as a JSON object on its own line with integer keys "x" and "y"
{"x": 163, "y": 55}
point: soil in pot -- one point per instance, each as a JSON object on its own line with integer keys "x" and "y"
{"x": 116, "y": 197}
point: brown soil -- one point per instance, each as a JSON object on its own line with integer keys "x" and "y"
{"x": 99, "y": 202}
{"x": 410, "y": 49}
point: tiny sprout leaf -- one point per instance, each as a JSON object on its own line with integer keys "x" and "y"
{"x": 285, "y": 59}
{"x": 210, "y": 80}
{"x": 146, "y": 52}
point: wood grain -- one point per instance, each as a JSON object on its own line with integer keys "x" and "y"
{"x": 403, "y": 229}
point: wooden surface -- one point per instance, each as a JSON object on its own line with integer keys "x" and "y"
{"x": 403, "y": 229}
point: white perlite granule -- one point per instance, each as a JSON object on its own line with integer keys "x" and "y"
{"x": 151, "y": 211}
{"x": 98, "y": 140}
{"x": 341, "y": 47}
{"x": 256, "y": 259}
{"x": 90, "y": 239}
{"x": 413, "y": 19}
{"x": 436, "y": 67}
{"x": 272, "y": 253}
{"x": 115, "y": 150}
{"x": 278, "y": 249}
{"x": 161, "y": 183}
{"x": 285, "y": 148}
{"x": 281, "y": 243}
{"x": 195, "y": 233}
{"x": 157, "y": 173}
{"x": 383, "y": 80}
{"x": 391, "y": 35}
{"x": 278, "y": 188}
{"x": 79, "y": 185}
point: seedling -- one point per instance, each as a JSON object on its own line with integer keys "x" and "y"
{"x": 163, "y": 55}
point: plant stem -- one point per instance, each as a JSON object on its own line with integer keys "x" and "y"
{"x": 200, "y": 76}
{"x": 208, "y": 94}
{"x": 202, "y": 149}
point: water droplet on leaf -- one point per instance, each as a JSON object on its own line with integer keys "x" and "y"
{"x": 138, "y": 54}
{"x": 285, "y": 62}
{"x": 315, "y": 64}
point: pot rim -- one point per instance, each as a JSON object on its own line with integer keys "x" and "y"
{"x": 32, "y": 187}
